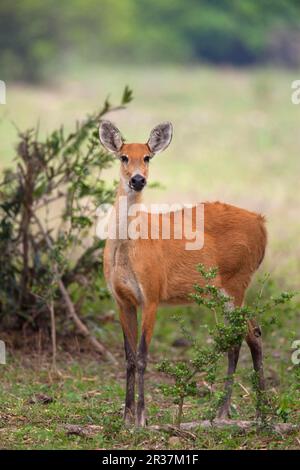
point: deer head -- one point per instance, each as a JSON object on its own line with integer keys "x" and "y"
{"x": 135, "y": 158}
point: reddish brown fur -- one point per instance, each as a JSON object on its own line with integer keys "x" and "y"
{"x": 235, "y": 241}
{"x": 146, "y": 273}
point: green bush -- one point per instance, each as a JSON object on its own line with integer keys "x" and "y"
{"x": 43, "y": 262}
{"x": 229, "y": 330}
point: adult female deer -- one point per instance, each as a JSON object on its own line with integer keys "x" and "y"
{"x": 144, "y": 272}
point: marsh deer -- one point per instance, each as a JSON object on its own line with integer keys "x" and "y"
{"x": 148, "y": 271}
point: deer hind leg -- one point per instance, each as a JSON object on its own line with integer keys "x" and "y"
{"x": 233, "y": 357}
{"x": 254, "y": 342}
{"x": 148, "y": 320}
{"x": 128, "y": 319}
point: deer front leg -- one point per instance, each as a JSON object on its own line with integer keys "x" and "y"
{"x": 148, "y": 320}
{"x": 128, "y": 318}
{"x": 233, "y": 357}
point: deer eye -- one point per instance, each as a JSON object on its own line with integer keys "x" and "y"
{"x": 147, "y": 159}
{"x": 124, "y": 158}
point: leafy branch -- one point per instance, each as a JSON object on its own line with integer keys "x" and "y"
{"x": 42, "y": 256}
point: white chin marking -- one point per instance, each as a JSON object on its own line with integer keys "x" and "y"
{"x": 125, "y": 185}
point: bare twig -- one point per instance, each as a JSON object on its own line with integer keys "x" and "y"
{"x": 82, "y": 328}
{"x": 244, "y": 388}
{"x": 27, "y": 186}
{"x": 53, "y": 333}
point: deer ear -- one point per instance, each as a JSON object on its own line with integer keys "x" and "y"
{"x": 110, "y": 137}
{"x": 160, "y": 137}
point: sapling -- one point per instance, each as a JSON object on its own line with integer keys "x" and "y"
{"x": 229, "y": 330}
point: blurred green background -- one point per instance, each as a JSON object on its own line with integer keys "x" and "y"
{"x": 220, "y": 70}
{"x": 38, "y": 38}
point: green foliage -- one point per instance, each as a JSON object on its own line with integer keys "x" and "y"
{"x": 231, "y": 324}
{"x": 38, "y": 37}
{"x": 62, "y": 172}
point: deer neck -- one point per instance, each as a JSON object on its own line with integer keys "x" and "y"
{"x": 124, "y": 210}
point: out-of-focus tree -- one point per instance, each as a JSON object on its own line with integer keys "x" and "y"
{"x": 36, "y": 38}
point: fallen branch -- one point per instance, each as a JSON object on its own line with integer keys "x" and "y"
{"x": 184, "y": 431}
{"x": 82, "y": 328}
{"x": 88, "y": 430}
{"x": 281, "y": 428}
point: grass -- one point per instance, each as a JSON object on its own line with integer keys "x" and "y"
{"x": 90, "y": 392}
{"x": 236, "y": 140}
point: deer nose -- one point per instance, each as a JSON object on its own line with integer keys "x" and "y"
{"x": 137, "y": 182}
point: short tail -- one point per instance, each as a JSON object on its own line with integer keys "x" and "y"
{"x": 263, "y": 239}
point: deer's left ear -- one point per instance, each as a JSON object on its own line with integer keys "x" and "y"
{"x": 110, "y": 137}
{"x": 160, "y": 137}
